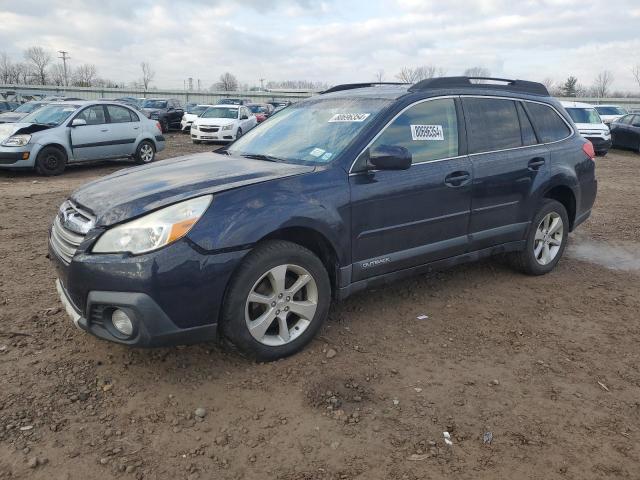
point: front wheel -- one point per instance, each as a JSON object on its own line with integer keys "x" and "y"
{"x": 51, "y": 161}
{"x": 546, "y": 240}
{"x": 238, "y": 133}
{"x": 277, "y": 301}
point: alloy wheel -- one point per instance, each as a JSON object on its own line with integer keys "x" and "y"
{"x": 146, "y": 153}
{"x": 281, "y": 305}
{"x": 548, "y": 238}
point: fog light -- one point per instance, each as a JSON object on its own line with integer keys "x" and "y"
{"x": 25, "y": 155}
{"x": 122, "y": 322}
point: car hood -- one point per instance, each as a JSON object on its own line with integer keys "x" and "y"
{"x": 134, "y": 191}
{"x": 219, "y": 122}
{"x": 8, "y": 129}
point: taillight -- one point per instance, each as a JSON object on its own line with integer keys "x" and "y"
{"x": 587, "y": 148}
{"x": 160, "y": 128}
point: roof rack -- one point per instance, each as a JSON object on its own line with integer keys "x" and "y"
{"x": 349, "y": 86}
{"x": 521, "y": 86}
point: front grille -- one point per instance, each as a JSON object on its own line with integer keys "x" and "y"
{"x": 209, "y": 129}
{"x": 68, "y": 231}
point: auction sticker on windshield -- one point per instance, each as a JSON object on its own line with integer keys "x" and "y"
{"x": 427, "y": 132}
{"x": 349, "y": 117}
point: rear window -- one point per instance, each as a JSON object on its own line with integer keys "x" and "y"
{"x": 547, "y": 122}
{"x": 492, "y": 124}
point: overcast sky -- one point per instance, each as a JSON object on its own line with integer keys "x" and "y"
{"x": 332, "y": 41}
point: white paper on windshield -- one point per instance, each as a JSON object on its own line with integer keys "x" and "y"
{"x": 349, "y": 117}
{"x": 326, "y": 156}
{"x": 427, "y": 132}
{"x": 316, "y": 152}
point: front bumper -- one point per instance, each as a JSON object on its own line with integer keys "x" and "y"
{"x": 13, "y": 157}
{"x": 220, "y": 135}
{"x": 174, "y": 295}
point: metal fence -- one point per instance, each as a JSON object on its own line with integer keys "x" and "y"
{"x": 93, "y": 93}
{"x": 27, "y": 92}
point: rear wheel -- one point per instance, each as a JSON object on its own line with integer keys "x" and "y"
{"x": 277, "y": 301}
{"x": 546, "y": 240}
{"x": 145, "y": 152}
{"x": 51, "y": 161}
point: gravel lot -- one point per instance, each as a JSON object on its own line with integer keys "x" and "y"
{"x": 547, "y": 365}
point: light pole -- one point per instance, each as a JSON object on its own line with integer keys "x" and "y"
{"x": 64, "y": 56}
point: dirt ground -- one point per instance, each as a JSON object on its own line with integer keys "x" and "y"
{"x": 548, "y": 366}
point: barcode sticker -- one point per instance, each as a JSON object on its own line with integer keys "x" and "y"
{"x": 349, "y": 117}
{"x": 427, "y": 132}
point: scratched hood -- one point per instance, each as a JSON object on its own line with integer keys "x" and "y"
{"x": 134, "y": 191}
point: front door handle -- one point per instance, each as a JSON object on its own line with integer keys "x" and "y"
{"x": 457, "y": 179}
{"x": 535, "y": 163}
{"x": 105, "y": 130}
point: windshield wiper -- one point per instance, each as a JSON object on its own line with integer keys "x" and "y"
{"x": 258, "y": 156}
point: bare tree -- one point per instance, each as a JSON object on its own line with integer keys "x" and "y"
{"x": 56, "y": 74}
{"x": 227, "y": 82}
{"x": 6, "y": 67}
{"x": 85, "y": 75}
{"x": 424, "y": 72}
{"x": 39, "y": 60}
{"x": 147, "y": 75}
{"x": 407, "y": 75}
{"x": 477, "y": 72}
{"x": 380, "y": 76}
{"x": 602, "y": 83}
{"x": 549, "y": 83}
{"x": 635, "y": 71}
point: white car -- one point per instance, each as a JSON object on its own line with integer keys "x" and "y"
{"x": 222, "y": 123}
{"x": 190, "y": 115}
{"x": 590, "y": 125}
{"x": 610, "y": 113}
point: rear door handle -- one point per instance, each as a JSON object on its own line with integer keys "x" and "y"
{"x": 457, "y": 179}
{"x": 535, "y": 163}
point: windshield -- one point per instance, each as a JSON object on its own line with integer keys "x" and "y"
{"x": 28, "y": 107}
{"x": 196, "y": 109}
{"x": 230, "y": 101}
{"x": 312, "y": 132}
{"x": 584, "y": 115}
{"x": 220, "y": 112}
{"x": 154, "y": 104}
{"x": 52, "y": 115}
{"x": 257, "y": 109}
{"x": 611, "y": 111}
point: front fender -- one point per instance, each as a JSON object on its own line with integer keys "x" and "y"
{"x": 241, "y": 217}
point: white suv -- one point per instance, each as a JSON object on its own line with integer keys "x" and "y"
{"x": 610, "y": 113}
{"x": 222, "y": 123}
{"x": 190, "y": 115}
{"x": 590, "y": 125}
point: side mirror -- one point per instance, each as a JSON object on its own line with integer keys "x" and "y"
{"x": 78, "y": 122}
{"x": 244, "y": 117}
{"x": 389, "y": 157}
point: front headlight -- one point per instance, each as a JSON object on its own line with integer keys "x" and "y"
{"x": 154, "y": 230}
{"x": 194, "y": 126}
{"x": 17, "y": 141}
{"x": 227, "y": 127}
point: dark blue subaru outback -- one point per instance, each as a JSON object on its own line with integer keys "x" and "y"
{"x": 361, "y": 185}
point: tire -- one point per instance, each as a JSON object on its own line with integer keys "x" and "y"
{"x": 533, "y": 260}
{"x": 197, "y": 142}
{"x": 282, "y": 332}
{"x": 145, "y": 153}
{"x": 238, "y": 133}
{"x": 51, "y": 161}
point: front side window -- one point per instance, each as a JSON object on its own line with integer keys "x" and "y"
{"x": 119, "y": 114}
{"x": 548, "y": 124}
{"x": 310, "y": 132}
{"x": 52, "y": 115}
{"x": 492, "y": 124}
{"x": 429, "y": 130}
{"x": 93, "y": 115}
{"x": 584, "y": 115}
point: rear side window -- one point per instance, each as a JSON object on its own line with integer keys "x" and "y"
{"x": 528, "y": 135}
{"x": 548, "y": 124}
{"x": 429, "y": 130}
{"x": 492, "y": 124}
{"x": 119, "y": 114}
